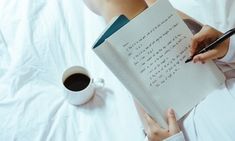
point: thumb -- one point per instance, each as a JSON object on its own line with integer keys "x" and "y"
{"x": 173, "y": 125}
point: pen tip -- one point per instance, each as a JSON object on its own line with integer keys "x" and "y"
{"x": 188, "y": 60}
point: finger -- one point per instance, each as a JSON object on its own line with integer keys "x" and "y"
{"x": 173, "y": 125}
{"x": 151, "y": 122}
{"x": 209, "y": 55}
{"x": 205, "y": 36}
{"x": 193, "y": 46}
{"x": 196, "y": 41}
{"x": 153, "y": 126}
{"x": 154, "y": 131}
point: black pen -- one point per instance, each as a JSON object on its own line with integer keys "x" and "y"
{"x": 213, "y": 45}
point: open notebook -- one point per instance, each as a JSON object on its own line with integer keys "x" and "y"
{"x": 147, "y": 55}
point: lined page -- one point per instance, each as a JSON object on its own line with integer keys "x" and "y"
{"x": 158, "y": 45}
{"x": 154, "y": 46}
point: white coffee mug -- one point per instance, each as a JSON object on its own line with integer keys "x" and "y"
{"x": 77, "y": 88}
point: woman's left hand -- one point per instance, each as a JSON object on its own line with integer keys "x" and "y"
{"x": 157, "y": 133}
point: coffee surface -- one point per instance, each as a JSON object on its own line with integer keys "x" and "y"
{"x": 77, "y": 82}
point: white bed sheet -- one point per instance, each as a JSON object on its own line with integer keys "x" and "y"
{"x": 39, "y": 39}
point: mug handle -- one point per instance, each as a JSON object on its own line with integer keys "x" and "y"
{"x": 99, "y": 82}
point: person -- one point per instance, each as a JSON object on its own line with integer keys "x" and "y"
{"x": 205, "y": 36}
{"x": 211, "y": 115}
{"x": 131, "y": 8}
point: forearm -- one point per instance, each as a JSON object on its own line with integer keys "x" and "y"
{"x": 192, "y": 24}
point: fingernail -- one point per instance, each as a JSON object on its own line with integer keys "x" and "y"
{"x": 146, "y": 115}
{"x": 171, "y": 111}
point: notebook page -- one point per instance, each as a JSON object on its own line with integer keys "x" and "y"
{"x": 155, "y": 45}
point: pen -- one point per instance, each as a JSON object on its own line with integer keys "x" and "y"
{"x": 214, "y": 44}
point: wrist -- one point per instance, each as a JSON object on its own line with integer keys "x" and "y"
{"x": 230, "y": 54}
{"x": 177, "y": 137}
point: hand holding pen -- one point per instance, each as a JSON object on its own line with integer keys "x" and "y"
{"x": 209, "y": 44}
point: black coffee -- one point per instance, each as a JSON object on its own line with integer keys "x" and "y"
{"x": 77, "y": 82}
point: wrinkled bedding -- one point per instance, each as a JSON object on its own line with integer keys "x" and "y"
{"x": 39, "y": 39}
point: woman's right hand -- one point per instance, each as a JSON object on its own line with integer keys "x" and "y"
{"x": 203, "y": 38}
